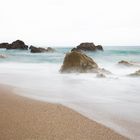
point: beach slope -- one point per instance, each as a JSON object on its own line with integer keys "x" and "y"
{"x": 26, "y": 119}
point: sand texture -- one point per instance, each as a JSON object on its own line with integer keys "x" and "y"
{"x": 26, "y": 119}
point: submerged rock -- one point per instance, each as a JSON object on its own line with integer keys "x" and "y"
{"x": 40, "y": 50}
{"x": 100, "y": 75}
{"x": 137, "y": 73}
{"x": 49, "y": 49}
{"x": 125, "y": 63}
{"x": 87, "y": 47}
{"x": 78, "y": 62}
{"x": 3, "y": 56}
{"x": 18, "y": 44}
{"x": 104, "y": 71}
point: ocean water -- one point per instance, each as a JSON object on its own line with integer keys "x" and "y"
{"x": 113, "y": 101}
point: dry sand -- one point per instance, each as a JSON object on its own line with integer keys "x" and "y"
{"x": 26, "y": 119}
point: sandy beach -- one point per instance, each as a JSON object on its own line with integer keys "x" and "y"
{"x": 26, "y": 119}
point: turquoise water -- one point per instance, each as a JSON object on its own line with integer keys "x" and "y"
{"x": 110, "y": 54}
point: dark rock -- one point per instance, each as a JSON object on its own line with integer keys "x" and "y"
{"x": 31, "y": 47}
{"x": 99, "y": 47}
{"x": 40, "y": 50}
{"x": 87, "y": 47}
{"x": 78, "y": 62}
{"x": 135, "y": 74}
{"x": 18, "y": 44}
{"x": 3, "y": 45}
{"x": 75, "y": 49}
{"x": 37, "y": 50}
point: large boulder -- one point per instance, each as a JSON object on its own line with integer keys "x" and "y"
{"x": 3, "y": 45}
{"x": 88, "y": 47}
{"x": 78, "y": 62}
{"x": 135, "y": 74}
{"x": 18, "y": 44}
{"x": 40, "y": 50}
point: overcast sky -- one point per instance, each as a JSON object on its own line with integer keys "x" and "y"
{"x": 69, "y": 22}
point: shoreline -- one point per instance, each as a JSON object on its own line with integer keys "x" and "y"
{"x": 28, "y": 119}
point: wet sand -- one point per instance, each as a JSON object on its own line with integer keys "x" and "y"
{"x": 26, "y": 119}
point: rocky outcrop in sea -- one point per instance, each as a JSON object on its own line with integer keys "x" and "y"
{"x": 18, "y": 44}
{"x": 40, "y": 50}
{"x": 88, "y": 47}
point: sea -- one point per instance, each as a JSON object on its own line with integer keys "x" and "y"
{"x": 113, "y": 101}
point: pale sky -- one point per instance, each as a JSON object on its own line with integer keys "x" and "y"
{"x": 70, "y": 22}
